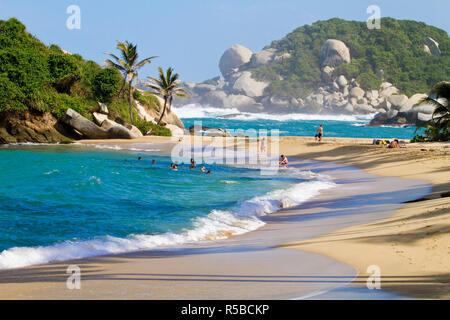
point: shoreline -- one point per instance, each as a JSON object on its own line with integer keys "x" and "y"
{"x": 290, "y": 151}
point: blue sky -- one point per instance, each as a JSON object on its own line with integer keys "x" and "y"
{"x": 191, "y": 35}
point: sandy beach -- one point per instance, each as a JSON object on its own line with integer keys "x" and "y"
{"x": 325, "y": 244}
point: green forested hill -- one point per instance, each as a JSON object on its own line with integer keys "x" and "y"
{"x": 396, "y": 48}
{"x": 43, "y": 78}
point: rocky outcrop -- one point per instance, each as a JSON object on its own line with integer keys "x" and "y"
{"x": 87, "y": 128}
{"x": 433, "y": 46}
{"x": 240, "y": 89}
{"x": 262, "y": 57}
{"x": 334, "y": 53}
{"x": 32, "y": 126}
{"x": 175, "y": 130}
{"x": 109, "y": 129}
{"x": 99, "y": 118}
{"x": 248, "y": 86}
{"x": 233, "y": 58}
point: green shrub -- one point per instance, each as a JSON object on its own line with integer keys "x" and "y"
{"x": 11, "y": 97}
{"x": 432, "y": 133}
{"x": 105, "y": 84}
{"x": 147, "y": 99}
{"x": 64, "y": 71}
{"x": 145, "y": 126}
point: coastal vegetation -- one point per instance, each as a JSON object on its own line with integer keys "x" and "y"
{"x": 128, "y": 65}
{"x": 437, "y": 129}
{"x": 35, "y": 78}
{"x": 395, "y": 53}
{"x": 166, "y": 86}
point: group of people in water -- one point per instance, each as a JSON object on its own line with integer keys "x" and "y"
{"x": 193, "y": 165}
{"x": 174, "y": 166}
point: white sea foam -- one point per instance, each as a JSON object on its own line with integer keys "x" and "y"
{"x": 200, "y": 111}
{"x": 117, "y": 148}
{"x": 218, "y": 224}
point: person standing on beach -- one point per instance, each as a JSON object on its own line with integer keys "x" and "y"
{"x": 319, "y": 133}
{"x": 263, "y": 145}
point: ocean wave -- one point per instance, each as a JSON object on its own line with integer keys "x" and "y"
{"x": 200, "y": 111}
{"x": 218, "y": 224}
{"x": 118, "y": 148}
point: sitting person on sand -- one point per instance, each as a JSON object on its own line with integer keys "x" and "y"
{"x": 319, "y": 133}
{"x": 394, "y": 144}
{"x": 284, "y": 161}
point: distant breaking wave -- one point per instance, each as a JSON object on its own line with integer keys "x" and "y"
{"x": 199, "y": 111}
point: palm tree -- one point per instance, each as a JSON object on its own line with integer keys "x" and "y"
{"x": 166, "y": 87}
{"x": 128, "y": 65}
{"x": 440, "y": 98}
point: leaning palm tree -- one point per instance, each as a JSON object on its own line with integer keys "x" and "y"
{"x": 167, "y": 86}
{"x": 128, "y": 65}
{"x": 440, "y": 99}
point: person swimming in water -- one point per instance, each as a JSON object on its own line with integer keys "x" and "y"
{"x": 175, "y": 167}
{"x": 140, "y": 158}
{"x": 153, "y": 161}
{"x": 193, "y": 164}
{"x": 203, "y": 169}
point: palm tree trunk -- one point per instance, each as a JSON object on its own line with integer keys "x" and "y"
{"x": 123, "y": 86}
{"x": 131, "y": 103}
{"x": 164, "y": 111}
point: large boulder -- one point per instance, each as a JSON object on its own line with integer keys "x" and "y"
{"x": 342, "y": 81}
{"x": 415, "y": 99}
{"x": 424, "y": 108}
{"x": 389, "y": 91}
{"x": 433, "y": 45}
{"x": 103, "y": 108}
{"x": 391, "y": 114}
{"x": 364, "y": 109}
{"x": 262, "y": 57}
{"x": 282, "y": 57}
{"x": 176, "y": 131}
{"x": 118, "y": 131}
{"x": 240, "y": 102}
{"x": 99, "y": 118}
{"x": 215, "y": 98}
{"x": 233, "y": 58}
{"x": 357, "y": 93}
{"x": 87, "y": 128}
{"x": 327, "y": 73}
{"x": 248, "y": 86}
{"x": 334, "y": 53}
{"x": 398, "y": 101}
{"x": 424, "y": 117}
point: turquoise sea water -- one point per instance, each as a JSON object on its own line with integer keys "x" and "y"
{"x": 62, "y": 202}
{"x": 345, "y": 126}
{"x": 308, "y": 128}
